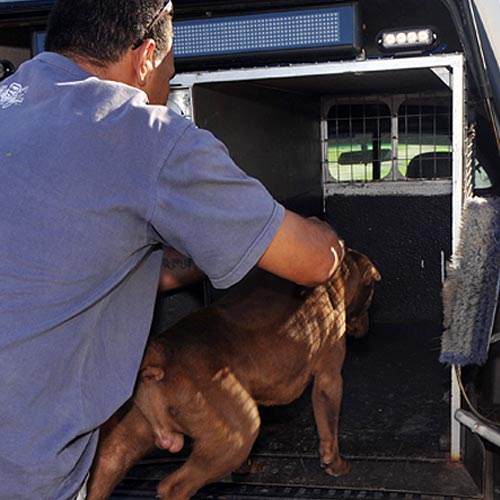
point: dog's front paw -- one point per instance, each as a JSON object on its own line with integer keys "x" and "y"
{"x": 337, "y": 468}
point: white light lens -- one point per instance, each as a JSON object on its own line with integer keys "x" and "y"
{"x": 424, "y": 36}
{"x": 412, "y": 37}
{"x": 401, "y": 38}
{"x": 389, "y": 39}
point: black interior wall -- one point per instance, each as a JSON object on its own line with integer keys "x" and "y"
{"x": 272, "y": 135}
{"x": 406, "y": 236}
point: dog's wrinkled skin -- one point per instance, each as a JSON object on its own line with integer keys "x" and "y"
{"x": 205, "y": 376}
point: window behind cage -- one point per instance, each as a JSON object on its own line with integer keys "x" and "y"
{"x": 388, "y": 138}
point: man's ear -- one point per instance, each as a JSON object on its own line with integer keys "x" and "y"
{"x": 151, "y": 373}
{"x": 144, "y": 57}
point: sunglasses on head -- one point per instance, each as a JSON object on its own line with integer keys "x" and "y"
{"x": 166, "y": 10}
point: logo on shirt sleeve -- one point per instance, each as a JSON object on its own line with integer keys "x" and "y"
{"x": 12, "y": 95}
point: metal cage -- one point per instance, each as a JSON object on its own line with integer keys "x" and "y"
{"x": 398, "y": 137}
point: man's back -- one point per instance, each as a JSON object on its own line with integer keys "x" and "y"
{"x": 74, "y": 204}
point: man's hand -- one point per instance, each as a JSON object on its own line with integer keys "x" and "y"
{"x": 177, "y": 270}
{"x": 337, "y": 247}
{"x": 306, "y": 251}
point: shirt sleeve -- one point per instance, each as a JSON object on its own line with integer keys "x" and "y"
{"x": 210, "y": 210}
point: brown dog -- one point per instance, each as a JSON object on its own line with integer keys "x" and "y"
{"x": 205, "y": 376}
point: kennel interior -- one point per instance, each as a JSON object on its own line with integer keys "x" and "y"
{"x": 373, "y": 147}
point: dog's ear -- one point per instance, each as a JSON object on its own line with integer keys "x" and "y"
{"x": 369, "y": 272}
{"x": 151, "y": 373}
{"x": 153, "y": 356}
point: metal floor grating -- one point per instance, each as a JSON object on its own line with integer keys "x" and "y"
{"x": 229, "y": 492}
{"x": 265, "y": 492}
{"x": 301, "y": 477}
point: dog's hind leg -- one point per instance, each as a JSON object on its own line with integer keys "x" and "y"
{"x": 327, "y": 399}
{"x": 224, "y": 422}
{"x": 125, "y": 438}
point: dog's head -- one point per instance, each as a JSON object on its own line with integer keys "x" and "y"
{"x": 359, "y": 277}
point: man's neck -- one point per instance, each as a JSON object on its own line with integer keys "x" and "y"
{"x": 119, "y": 71}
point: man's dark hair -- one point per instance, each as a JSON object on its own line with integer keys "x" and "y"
{"x": 103, "y": 30}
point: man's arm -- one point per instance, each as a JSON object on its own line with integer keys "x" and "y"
{"x": 177, "y": 270}
{"x": 306, "y": 251}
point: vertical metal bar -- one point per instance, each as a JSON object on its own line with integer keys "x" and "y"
{"x": 324, "y": 152}
{"x": 395, "y": 103}
{"x": 394, "y": 140}
{"x": 364, "y": 146}
{"x": 337, "y": 143}
{"x": 458, "y": 136}
{"x": 351, "y": 138}
{"x": 376, "y": 143}
{"x": 435, "y": 118}
{"x": 420, "y": 113}
{"x": 407, "y": 140}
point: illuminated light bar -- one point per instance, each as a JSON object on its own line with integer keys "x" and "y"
{"x": 334, "y": 29}
{"x": 407, "y": 39}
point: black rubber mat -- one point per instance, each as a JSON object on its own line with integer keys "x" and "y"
{"x": 395, "y": 404}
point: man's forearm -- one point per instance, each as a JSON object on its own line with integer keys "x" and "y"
{"x": 177, "y": 270}
{"x": 306, "y": 251}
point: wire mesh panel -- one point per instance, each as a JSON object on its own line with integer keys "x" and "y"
{"x": 424, "y": 139}
{"x": 359, "y": 141}
{"x": 388, "y": 138}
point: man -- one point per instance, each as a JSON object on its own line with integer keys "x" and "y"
{"x": 97, "y": 178}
